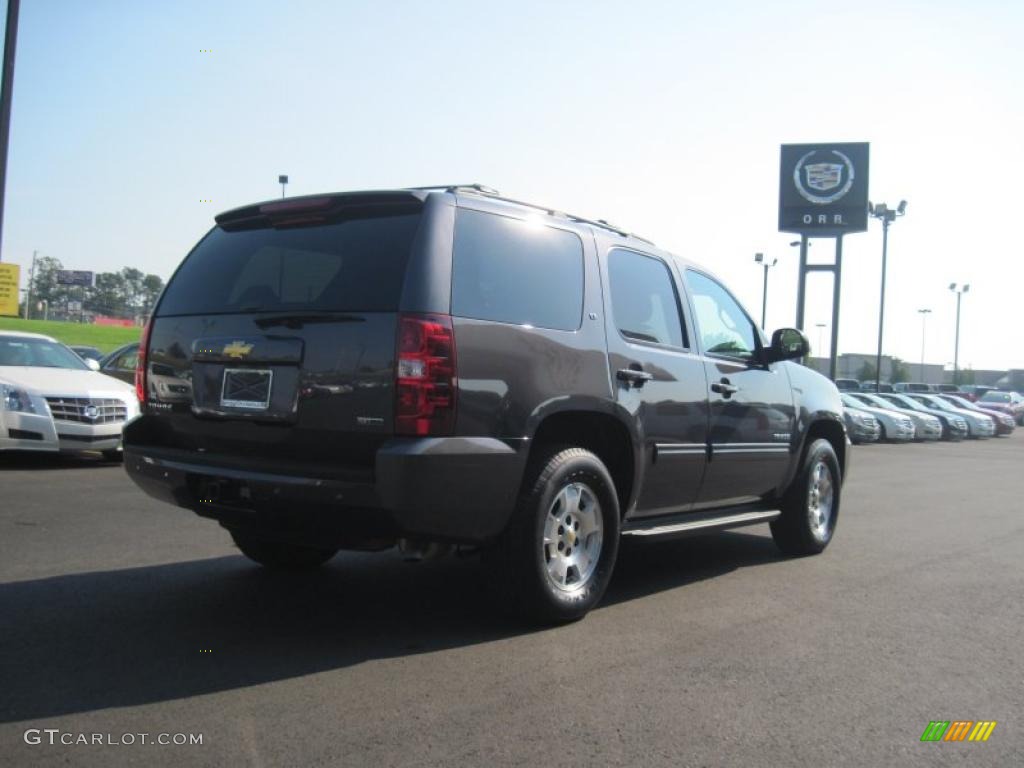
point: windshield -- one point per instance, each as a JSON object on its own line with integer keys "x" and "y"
{"x": 934, "y": 402}
{"x": 995, "y": 397}
{"x": 904, "y": 402}
{"x": 874, "y": 401}
{"x": 40, "y": 353}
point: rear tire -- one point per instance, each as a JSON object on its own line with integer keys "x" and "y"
{"x": 555, "y": 558}
{"x": 280, "y": 555}
{"x": 810, "y": 506}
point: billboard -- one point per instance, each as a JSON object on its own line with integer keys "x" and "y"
{"x": 74, "y": 277}
{"x": 823, "y": 189}
{"x": 9, "y": 276}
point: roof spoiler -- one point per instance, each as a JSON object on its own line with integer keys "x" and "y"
{"x": 315, "y": 209}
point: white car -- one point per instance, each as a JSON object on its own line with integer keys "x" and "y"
{"x": 52, "y": 400}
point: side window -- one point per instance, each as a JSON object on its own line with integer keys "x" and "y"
{"x": 724, "y": 327}
{"x": 644, "y": 300}
{"x": 127, "y": 361}
{"x": 513, "y": 271}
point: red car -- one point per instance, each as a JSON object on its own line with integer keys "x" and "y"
{"x": 1004, "y": 421}
{"x": 1007, "y": 402}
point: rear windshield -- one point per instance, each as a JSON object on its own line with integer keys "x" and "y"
{"x": 356, "y": 264}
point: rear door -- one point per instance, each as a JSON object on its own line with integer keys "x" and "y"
{"x": 276, "y": 337}
{"x": 658, "y": 377}
{"x": 751, "y": 408}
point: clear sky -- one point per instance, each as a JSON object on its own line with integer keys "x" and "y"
{"x": 664, "y": 117}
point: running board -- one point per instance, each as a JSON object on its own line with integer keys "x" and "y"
{"x": 697, "y": 522}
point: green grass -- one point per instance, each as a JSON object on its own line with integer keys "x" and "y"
{"x": 105, "y": 338}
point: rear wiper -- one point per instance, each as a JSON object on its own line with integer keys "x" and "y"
{"x": 299, "y": 319}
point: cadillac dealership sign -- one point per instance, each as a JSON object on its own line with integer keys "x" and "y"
{"x": 823, "y": 189}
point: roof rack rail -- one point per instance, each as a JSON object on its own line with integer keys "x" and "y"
{"x": 481, "y": 188}
{"x": 493, "y": 193}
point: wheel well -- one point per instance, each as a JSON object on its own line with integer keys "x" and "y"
{"x": 831, "y": 431}
{"x": 603, "y": 435}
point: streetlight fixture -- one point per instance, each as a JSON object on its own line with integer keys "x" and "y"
{"x": 760, "y": 259}
{"x": 924, "y": 316}
{"x": 959, "y": 290}
{"x": 282, "y": 180}
{"x": 886, "y": 215}
{"x": 821, "y": 341}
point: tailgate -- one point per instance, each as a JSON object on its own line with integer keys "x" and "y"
{"x": 276, "y": 336}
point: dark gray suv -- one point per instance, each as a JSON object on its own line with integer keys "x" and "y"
{"x": 439, "y": 367}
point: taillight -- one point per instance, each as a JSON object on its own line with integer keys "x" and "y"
{"x": 140, "y": 365}
{"x": 425, "y": 377}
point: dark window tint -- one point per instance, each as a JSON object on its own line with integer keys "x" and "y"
{"x": 724, "y": 327}
{"x": 354, "y": 264}
{"x": 516, "y": 272}
{"x": 644, "y": 300}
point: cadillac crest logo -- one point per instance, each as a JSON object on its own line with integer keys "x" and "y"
{"x": 823, "y": 180}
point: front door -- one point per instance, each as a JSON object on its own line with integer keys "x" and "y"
{"x": 658, "y": 377}
{"x": 751, "y": 404}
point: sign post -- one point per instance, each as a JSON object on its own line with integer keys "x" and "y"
{"x": 823, "y": 192}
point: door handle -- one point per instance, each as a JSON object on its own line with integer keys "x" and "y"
{"x": 724, "y": 388}
{"x": 633, "y": 376}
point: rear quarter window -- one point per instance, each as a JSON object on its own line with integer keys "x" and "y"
{"x": 512, "y": 271}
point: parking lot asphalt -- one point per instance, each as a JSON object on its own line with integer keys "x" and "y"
{"x": 119, "y": 615}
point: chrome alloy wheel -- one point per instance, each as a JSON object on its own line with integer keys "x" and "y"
{"x": 820, "y": 500}
{"x": 573, "y": 534}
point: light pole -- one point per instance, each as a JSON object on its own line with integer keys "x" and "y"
{"x": 6, "y": 89}
{"x": 760, "y": 259}
{"x": 887, "y": 215}
{"x": 803, "y": 244}
{"x": 282, "y": 180}
{"x": 924, "y": 316}
{"x": 31, "y": 280}
{"x": 959, "y": 290}
{"x": 821, "y": 341}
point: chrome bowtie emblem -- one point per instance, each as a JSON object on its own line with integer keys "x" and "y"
{"x": 91, "y": 412}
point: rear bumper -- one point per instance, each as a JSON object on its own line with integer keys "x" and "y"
{"x": 460, "y": 489}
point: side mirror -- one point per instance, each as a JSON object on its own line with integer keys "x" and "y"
{"x": 787, "y": 344}
{"x": 93, "y": 364}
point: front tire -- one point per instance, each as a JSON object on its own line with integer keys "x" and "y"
{"x": 279, "y": 555}
{"x": 114, "y": 454}
{"x": 554, "y": 560}
{"x": 810, "y": 507}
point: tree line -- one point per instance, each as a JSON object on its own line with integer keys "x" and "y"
{"x": 128, "y": 293}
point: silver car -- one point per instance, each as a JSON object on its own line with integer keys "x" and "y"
{"x": 954, "y": 427}
{"x": 926, "y": 426}
{"x": 979, "y": 424}
{"x": 895, "y": 426}
{"x": 861, "y": 426}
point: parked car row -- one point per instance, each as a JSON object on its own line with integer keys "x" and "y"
{"x": 910, "y": 415}
{"x": 899, "y": 413}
